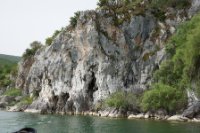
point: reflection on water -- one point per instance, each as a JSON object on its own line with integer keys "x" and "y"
{"x": 10, "y": 121}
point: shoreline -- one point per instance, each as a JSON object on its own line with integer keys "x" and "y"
{"x": 107, "y": 114}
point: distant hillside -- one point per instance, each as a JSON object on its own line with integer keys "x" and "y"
{"x": 9, "y": 59}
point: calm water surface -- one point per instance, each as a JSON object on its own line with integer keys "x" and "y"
{"x": 10, "y": 121}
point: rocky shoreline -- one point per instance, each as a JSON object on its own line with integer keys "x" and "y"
{"x": 115, "y": 114}
{"x": 191, "y": 114}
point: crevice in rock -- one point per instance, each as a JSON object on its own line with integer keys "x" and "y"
{"x": 62, "y": 99}
{"x": 49, "y": 82}
{"x": 52, "y": 103}
{"x": 92, "y": 87}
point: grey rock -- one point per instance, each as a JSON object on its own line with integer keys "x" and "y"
{"x": 178, "y": 118}
{"x": 195, "y": 7}
{"x": 192, "y": 111}
{"x": 83, "y": 66}
{"x": 160, "y": 114}
{"x": 18, "y": 98}
{"x": 2, "y": 105}
{"x": 7, "y": 99}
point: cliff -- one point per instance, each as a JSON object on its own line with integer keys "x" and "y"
{"x": 87, "y": 63}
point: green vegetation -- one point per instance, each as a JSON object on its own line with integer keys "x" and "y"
{"x": 180, "y": 72}
{"x": 8, "y": 59}
{"x": 31, "y": 51}
{"x": 122, "y": 100}
{"x": 8, "y": 65}
{"x": 163, "y": 4}
{"x": 25, "y": 101}
{"x": 74, "y": 20}
{"x": 162, "y": 96}
{"x": 184, "y": 49}
{"x": 49, "y": 40}
{"x": 13, "y": 92}
{"x": 126, "y": 8}
{"x": 121, "y": 8}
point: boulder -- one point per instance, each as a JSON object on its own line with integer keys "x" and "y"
{"x": 138, "y": 116}
{"x": 149, "y": 114}
{"x": 195, "y": 120}
{"x": 104, "y": 113}
{"x": 178, "y": 118}
{"x": 160, "y": 114}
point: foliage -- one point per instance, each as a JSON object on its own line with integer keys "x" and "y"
{"x": 25, "y": 101}
{"x": 121, "y": 99}
{"x": 31, "y": 51}
{"x": 50, "y": 39}
{"x": 121, "y": 8}
{"x": 159, "y": 13}
{"x": 6, "y": 70}
{"x": 74, "y": 20}
{"x": 163, "y": 4}
{"x": 13, "y": 92}
{"x": 8, "y": 65}
{"x": 8, "y": 59}
{"x": 163, "y": 97}
{"x": 168, "y": 74}
{"x": 126, "y": 8}
{"x": 182, "y": 70}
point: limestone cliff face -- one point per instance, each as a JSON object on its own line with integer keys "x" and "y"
{"x": 86, "y": 64}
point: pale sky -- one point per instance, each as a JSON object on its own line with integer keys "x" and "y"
{"x": 23, "y": 21}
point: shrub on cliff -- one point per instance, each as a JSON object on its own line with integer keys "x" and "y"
{"x": 182, "y": 70}
{"x": 123, "y": 8}
{"x": 49, "y": 40}
{"x": 122, "y": 99}
{"x": 162, "y": 4}
{"x": 163, "y": 97}
{"x": 74, "y": 19}
{"x": 31, "y": 51}
{"x": 13, "y": 92}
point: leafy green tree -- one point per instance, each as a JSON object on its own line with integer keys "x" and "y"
{"x": 162, "y": 96}
{"x": 31, "y": 51}
{"x": 74, "y": 20}
{"x": 182, "y": 70}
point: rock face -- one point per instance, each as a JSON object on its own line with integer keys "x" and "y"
{"x": 192, "y": 111}
{"x": 195, "y": 7}
{"x": 83, "y": 66}
{"x": 86, "y": 64}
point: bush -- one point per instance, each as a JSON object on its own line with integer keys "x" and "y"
{"x": 163, "y": 97}
{"x": 159, "y": 14}
{"x": 13, "y": 92}
{"x": 31, "y": 51}
{"x": 49, "y": 40}
{"x": 168, "y": 74}
{"x": 122, "y": 100}
{"x": 74, "y": 20}
{"x": 178, "y": 4}
{"x": 182, "y": 70}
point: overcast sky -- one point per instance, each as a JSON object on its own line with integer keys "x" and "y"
{"x": 23, "y": 21}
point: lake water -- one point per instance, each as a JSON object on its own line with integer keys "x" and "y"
{"x": 11, "y": 121}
